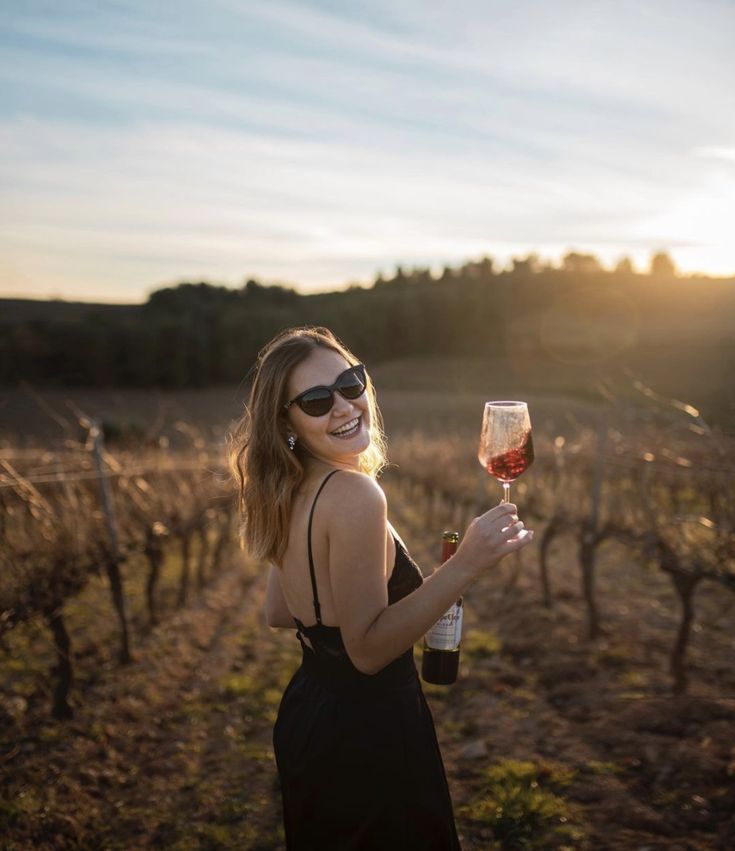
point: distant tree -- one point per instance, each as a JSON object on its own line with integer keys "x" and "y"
{"x": 478, "y": 269}
{"x": 662, "y": 266}
{"x": 487, "y": 266}
{"x": 624, "y": 266}
{"x": 526, "y": 265}
{"x": 272, "y": 293}
{"x": 253, "y": 288}
{"x": 421, "y": 275}
{"x": 400, "y": 276}
{"x": 575, "y": 262}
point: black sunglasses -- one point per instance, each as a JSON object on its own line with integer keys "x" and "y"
{"x": 317, "y": 401}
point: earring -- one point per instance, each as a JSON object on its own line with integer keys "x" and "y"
{"x": 291, "y": 442}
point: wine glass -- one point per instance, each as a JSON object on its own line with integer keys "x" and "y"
{"x": 506, "y": 446}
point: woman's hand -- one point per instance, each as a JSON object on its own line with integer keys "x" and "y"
{"x": 491, "y": 536}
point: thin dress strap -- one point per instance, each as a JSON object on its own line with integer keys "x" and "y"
{"x": 317, "y": 607}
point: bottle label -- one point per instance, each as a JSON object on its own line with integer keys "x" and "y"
{"x": 447, "y": 631}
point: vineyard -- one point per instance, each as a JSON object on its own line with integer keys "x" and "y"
{"x": 595, "y": 707}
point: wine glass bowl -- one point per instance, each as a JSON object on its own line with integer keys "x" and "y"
{"x": 506, "y": 445}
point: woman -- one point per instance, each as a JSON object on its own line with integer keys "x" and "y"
{"x": 354, "y": 740}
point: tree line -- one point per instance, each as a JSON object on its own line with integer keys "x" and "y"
{"x": 200, "y": 334}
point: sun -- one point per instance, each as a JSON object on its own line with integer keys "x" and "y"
{"x": 698, "y": 227}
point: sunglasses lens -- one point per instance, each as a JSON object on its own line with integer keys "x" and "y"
{"x": 317, "y": 403}
{"x": 352, "y": 385}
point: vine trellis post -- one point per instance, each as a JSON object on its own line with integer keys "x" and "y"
{"x": 112, "y": 562}
{"x": 590, "y": 528}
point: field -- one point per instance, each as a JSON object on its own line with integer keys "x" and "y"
{"x": 551, "y": 739}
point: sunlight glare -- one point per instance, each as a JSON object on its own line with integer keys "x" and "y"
{"x": 699, "y": 227}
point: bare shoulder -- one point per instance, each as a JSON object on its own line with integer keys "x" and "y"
{"x": 351, "y": 492}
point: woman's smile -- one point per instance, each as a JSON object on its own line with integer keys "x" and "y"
{"x": 348, "y": 429}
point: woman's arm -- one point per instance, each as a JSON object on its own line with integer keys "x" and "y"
{"x": 276, "y": 610}
{"x": 375, "y": 633}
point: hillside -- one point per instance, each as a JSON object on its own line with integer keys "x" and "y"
{"x": 552, "y": 330}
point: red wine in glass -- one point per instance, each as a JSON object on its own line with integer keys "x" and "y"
{"x": 507, "y": 466}
{"x": 506, "y": 445}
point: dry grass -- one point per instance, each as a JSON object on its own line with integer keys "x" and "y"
{"x": 550, "y": 740}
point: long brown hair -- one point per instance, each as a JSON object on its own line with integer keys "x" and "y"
{"x": 266, "y": 472}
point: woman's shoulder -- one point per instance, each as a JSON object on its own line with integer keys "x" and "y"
{"x": 351, "y": 490}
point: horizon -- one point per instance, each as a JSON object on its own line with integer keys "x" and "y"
{"x": 316, "y": 145}
{"x": 497, "y": 270}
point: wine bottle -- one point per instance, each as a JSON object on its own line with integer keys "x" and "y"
{"x": 440, "y": 661}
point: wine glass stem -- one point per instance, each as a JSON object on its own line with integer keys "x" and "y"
{"x": 506, "y": 492}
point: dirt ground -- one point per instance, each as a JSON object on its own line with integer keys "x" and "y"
{"x": 174, "y": 750}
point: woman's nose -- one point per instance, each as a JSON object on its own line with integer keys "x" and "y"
{"x": 341, "y": 405}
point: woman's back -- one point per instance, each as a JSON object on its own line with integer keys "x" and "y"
{"x": 326, "y": 657}
{"x": 294, "y": 573}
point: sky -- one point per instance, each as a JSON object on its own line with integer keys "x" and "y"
{"x": 316, "y": 144}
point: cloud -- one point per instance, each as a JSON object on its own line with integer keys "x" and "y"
{"x": 715, "y": 153}
{"x": 319, "y": 142}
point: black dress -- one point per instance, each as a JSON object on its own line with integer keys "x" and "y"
{"x": 357, "y": 754}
